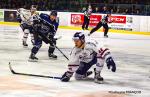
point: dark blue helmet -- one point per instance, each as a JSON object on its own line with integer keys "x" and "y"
{"x": 79, "y": 36}
{"x": 53, "y": 12}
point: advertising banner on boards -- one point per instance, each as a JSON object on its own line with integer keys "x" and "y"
{"x": 119, "y": 21}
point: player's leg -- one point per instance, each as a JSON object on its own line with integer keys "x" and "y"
{"x": 82, "y": 71}
{"x": 84, "y": 22}
{"x": 25, "y": 35}
{"x": 96, "y": 28}
{"x": 32, "y": 35}
{"x": 87, "y": 24}
{"x": 35, "y": 49}
{"x": 51, "y": 50}
{"x": 32, "y": 38}
{"x": 97, "y": 71}
{"x": 106, "y": 30}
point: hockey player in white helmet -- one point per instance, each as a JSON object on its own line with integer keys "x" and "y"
{"x": 26, "y": 19}
{"x": 83, "y": 56}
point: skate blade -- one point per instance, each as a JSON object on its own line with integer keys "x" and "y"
{"x": 52, "y": 58}
{"x": 25, "y": 46}
{"x": 31, "y": 60}
{"x": 99, "y": 82}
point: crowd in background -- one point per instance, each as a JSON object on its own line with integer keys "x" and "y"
{"x": 136, "y": 7}
{"x": 117, "y": 10}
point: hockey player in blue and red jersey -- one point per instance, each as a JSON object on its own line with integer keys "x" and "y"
{"x": 45, "y": 27}
{"x": 83, "y": 56}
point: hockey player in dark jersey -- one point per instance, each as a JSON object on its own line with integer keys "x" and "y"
{"x": 104, "y": 22}
{"x": 83, "y": 56}
{"x": 86, "y": 21}
{"x": 45, "y": 28}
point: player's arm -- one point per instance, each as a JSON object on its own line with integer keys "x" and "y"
{"x": 24, "y": 14}
{"x": 53, "y": 27}
{"x": 72, "y": 66}
{"x": 18, "y": 16}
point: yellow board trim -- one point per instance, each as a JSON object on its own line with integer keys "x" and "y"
{"x": 79, "y": 28}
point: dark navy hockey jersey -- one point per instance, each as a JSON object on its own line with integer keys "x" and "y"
{"x": 46, "y": 25}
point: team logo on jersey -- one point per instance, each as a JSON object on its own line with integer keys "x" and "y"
{"x": 44, "y": 28}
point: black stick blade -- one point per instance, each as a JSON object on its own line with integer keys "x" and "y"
{"x": 34, "y": 75}
{"x": 12, "y": 71}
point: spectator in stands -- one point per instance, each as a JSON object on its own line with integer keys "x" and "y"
{"x": 96, "y": 10}
{"x": 76, "y": 5}
{"x": 112, "y": 11}
{"x": 137, "y": 12}
{"x": 104, "y": 11}
{"x": 126, "y": 11}
{"x": 118, "y": 10}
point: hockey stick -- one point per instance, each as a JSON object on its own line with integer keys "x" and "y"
{"x": 46, "y": 40}
{"x": 59, "y": 49}
{"x": 34, "y": 75}
{"x": 58, "y": 38}
{"x": 61, "y": 52}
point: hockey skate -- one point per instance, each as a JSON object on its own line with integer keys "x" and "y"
{"x": 52, "y": 56}
{"x": 97, "y": 78}
{"x": 32, "y": 58}
{"x": 24, "y": 44}
{"x": 105, "y": 36}
{"x": 86, "y": 29}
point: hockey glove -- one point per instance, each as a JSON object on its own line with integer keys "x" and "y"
{"x": 50, "y": 38}
{"x": 66, "y": 76}
{"x": 111, "y": 64}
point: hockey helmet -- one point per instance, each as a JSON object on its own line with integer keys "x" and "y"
{"x": 79, "y": 36}
{"x": 53, "y": 12}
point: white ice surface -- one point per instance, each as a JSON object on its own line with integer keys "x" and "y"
{"x": 131, "y": 54}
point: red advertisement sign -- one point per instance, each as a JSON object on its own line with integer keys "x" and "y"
{"x": 94, "y": 19}
{"x": 118, "y": 19}
{"x": 77, "y": 19}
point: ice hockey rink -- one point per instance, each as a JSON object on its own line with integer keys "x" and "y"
{"x": 131, "y": 54}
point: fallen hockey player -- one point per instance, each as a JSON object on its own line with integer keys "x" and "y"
{"x": 83, "y": 56}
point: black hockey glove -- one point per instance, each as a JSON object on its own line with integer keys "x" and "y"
{"x": 66, "y": 76}
{"x": 111, "y": 64}
{"x": 50, "y": 37}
